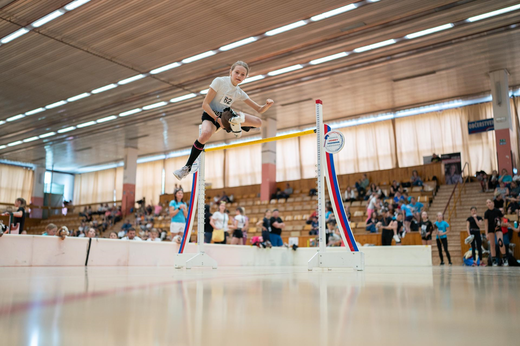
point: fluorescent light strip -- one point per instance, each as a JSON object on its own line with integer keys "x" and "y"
{"x": 75, "y": 4}
{"x": 56, "y": 104}
{"x": 285, "y": 70}
{"x": 131, "y": 79}
{"x": 204, "y": 92}
{"x": 199, "y": 56}
{"x": 67, "y": 129}
{"x": 286, "y": 28}
{"x": 130, "y": 112}
{"x": 78, "y": 97}
{"x": 34, "y": 111}
{"x": 238, "y": 44}
{"x": 328, "y": 58}
{"x": 375, "y": 45}
{"x": 12, "y": 144}
{"x": 334, "y": 12}
{"x": 31, "y": 139}
{"x": 493, "y": 13}
{"x": 89, "y": 123}
{"x": 48, "y": 134}
{"x": 155, "y": 105}
{"x": 252, "y": 79}
{"x": 165, "y": 68}
{"x": 14, "y": 35}
{"x": 2, "y": 122}
{"x": 105, "y": 88}
{"x": 16, "y": 117}
{"x": 47, "y": 18}
{"x": 182, "y": 98}
{"x": 104, "y": 120}
{"x": 429, "y": 31}
{"x": 3, "y": 147}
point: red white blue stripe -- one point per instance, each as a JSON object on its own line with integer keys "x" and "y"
{"x": 337, "y": 201}
{"x": 191, "y": 214}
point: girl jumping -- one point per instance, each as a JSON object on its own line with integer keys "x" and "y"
{"x": 223, "y": 91}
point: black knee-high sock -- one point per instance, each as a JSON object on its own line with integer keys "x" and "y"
{"x": 195, "y": 152}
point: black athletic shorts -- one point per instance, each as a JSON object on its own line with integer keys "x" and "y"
{"x": 427, "y": 237}
{"x": 206, "y": 116}
{"x": 238, "y": 233}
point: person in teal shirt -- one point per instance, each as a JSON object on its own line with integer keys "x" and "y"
{"x": 505, "y": 177}
{"x": 416, "y": 207}
{"x": 408, "y": 215}
{"x": 178, "y": 213}
{"x": 442, "y": 228}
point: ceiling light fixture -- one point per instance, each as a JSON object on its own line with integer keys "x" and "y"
{"x": 67, "y": 129}
{"x": 375, "y": 45}
{"x": 104, "y": 120}
{"x": 89, "y": 123}
{"x": 238, "y": 44}
{"x": 334, "y": 12}
{"x": 155, "y": 105}
{"x": 131, "y": 79}
{"x": 328, "y": 58}
{"x": 16, "y": 117}
{"x": 130, "y": 112}
{"x": 165, "y": 68}
{"x": 252, "y": 79}
{"x": 285, "y": 70}
{"x": 429, "y": 31}
{"x": 493, "y": 13}
{"x": 12, "y": 144}
{"x": 75, "y": 4}
{"x": 56, "y": 104}
{"x": 105, "y": 88}
{"x": 14, "y": 35}
{"x": 47, "y": 18}
{"x": 78, "y": 97}
{"x": 286, "y": 28}
{"x": 199, "y": 56}
{"x": 34, "y": 111}
{"x": 48, "y": 134}
{"x": 182, "y": 98}
{"x": 31, "y": 139}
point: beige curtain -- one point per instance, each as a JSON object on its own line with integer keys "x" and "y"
{"x": 447, "y": 132}
{"x": 308, "y": 156}
{"x": 244, "y": 165}
{"x": 367, "y": 148}
{"x": 514, "y": 133}
{"x": 288, "y": 160}
{"x": 119, "y": 183}
{"x": 148, "y": 182}
{"x": 95, "y": 187}
{"x": 215, "y": 169}
{"x": 15, "y": 182}
{"x": 170, "y": 181}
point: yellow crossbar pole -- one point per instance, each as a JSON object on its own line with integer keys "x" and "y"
{"x": 265, "y": 140}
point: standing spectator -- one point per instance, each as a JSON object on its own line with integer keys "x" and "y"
{"x": 492, "y": 223}
{"x": 362, "y": 185}
{"x": 266, "y": 227}
{"x": 483, "y": 178}
{"x": 131, "y": 235}
{"x": 208, "y": 229}
{"x": 443, "y": 228}
{"x": 288, "y": 190}
{"x": 389, "y": 228}
{"x": 372, "y": 223}
{"x": 277, "y": 225}
{"x": 18, "y": 217}
{"x": 158, "y": 209}
{"x": 453, "y": 176}
{"x": 350, "y": 196}
{"x": 113, "y": 235}
{"x": 154, "y": 235}
{"x": 473, "y": 225}
{"x": 426, "y": 228}
{"x": 505, "y": 177}
{"x": 416, "y": 179}
{"x": 239, "y": 223}
{"x": 219, "y": 221}
{"x": 493, "y": 181}
{"x": 178, "y": 213}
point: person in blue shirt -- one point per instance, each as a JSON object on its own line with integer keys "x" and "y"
{"x": 416, "y": 207}
{"x": 178, "y": 213}
{"x": 407, "y": 215}
{"x": 443, "y": 228}
{"x": 505, "y": 177}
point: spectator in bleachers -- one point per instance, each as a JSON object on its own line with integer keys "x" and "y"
{"x": 502, "y": 190}
{"x": 372, "y": 223}
{"x": 126, "y": 226}
{"x": 239, "y": 223}
{"x": 288, "y": 190}
{"x": 81, "y": 234}
{"x": 473, "y": 226}
{"x": 278, "y": 194}
{"x": 498, "y": 202}
{"x": 514, "y": 189}
{"x": 330, "y": 230}
{"x": 374, "y": 189}
{"x": 493, "y": 181}
{"x": 208, "y": 229}
{"x": 426, "y": 228}
{"x": 416, "y": 179}
{"x": 178, "y": 213}
{"x": 91, "y": 233}
{"x": 224, "y": 198}
{"x": 394, "y": 188}
{"x": 374, "y": 204}
{"x": 453, "y": 176}
{"x": 407, "y": 212}
{"x": 492, "y": 224}
{"x": 246, "y": 227}
{"x": 50, "y": 229}
{"x": 362, "y": 185}
{"x": 483, "y": 178}
{"x": 158, "y": 209}
{"x": 400, "y": 230}
{"x": 416, "y": 207}
{"x": 350, "y": 196}
{"x": 505, "y": 177}
{"x": 329, "y": 214}
{"x": 435, "y": 158}
{"x": 113, "y": 235}
{"x": 398, "y": 197}
{"x": 513, "y": 205}
{"x": 314, "y": 226}
{"x": 266, "y": 226}
{"x": 389, "y": 229}
{"x": 443, "y": 228}
{"x": 219, "y": 221}
{"x": 277, "y": 225}
{"x": 335, "y": 238}
{"x": 131, "y": 235}
{"x": 154, "y": 235}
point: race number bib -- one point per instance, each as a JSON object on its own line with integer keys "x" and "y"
{"x": 226, "y": 100}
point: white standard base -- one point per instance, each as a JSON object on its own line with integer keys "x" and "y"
{"x": 190, "y": 260}
{"x": 343, "y": 259}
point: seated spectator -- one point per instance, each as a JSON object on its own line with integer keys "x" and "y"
{"x": 81, "y": 234}
{"x": 347, "y": 212}
{"x": 435, "y": 158}
{"x": 374, "y": 204}
{"x": 502, "y": 190}
{"x": 113, "y": 235}
{"x": 361, "y": 186}
{"x": 279, "y": 194}
{"x": 121, "y": 233}
{"x": 416, "y": 207}
{"x": 514, "y": 204}
{"x": 505, "y": 177}
{"x": 82, "y": 226}
{"x": 329, "y": 215}
{"x": 514, "y": 189}
{"x": 149, "y": 209}
{"x": 131, "y": 235}
{"x": 453, "y": 177}
{"x": 394, "y": 188}
{"x": 224, "y": 197}
{"x": 158, "y": 209}
{"x": 314, "y": 226}
{"x": 288, "y": 190}
{"x": 483, "y": 178}
{"x": 330, "y": 230}
{"x": 398, "y": 197}
{"x": 118, "y": 216}
{"x": 126, "y": 226}
{"x": 408, "y": 215}
{"x": 350, "y": 196}
{"x": 309, "y": 220}
{"x": 493, "y": 180}
{"x": 499, "y": 202}
{"x": 416, "y": 179}
{"x": 91, "y": 233}
{"x": 372, "y": 223}
{"x": 154, "y": 235}
{"x": 277, "y": 225}
{"x": 50, "y": 229}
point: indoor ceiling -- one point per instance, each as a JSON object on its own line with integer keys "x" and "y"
{"x": 103, "y": 42}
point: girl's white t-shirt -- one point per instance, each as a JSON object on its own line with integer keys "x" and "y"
{"x": 241, "y": 221}
{"x": 221, "y": 220}
{"x": 227, "y": 93}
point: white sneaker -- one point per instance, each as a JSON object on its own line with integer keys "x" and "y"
{"x": 505, "y": 262}
{"x": 182, "y": 173}
{"x": 397, "y": 239}
{"x": 235, "y": 124}
{"x": 403, "y": 234}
